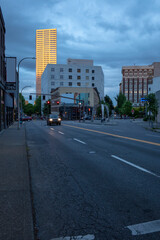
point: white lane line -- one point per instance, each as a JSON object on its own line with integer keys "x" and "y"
{"x": 79, "y": 140}
{"x": 151, "y": 135}
{"x": 52, "y": 128}
{"x": 60, "y": 132}
{"x": 144, "y": 228}
{"x": 86, "y": 237}
{"x": 135, "y": 166}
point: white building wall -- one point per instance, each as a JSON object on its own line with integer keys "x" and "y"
{"x": 59, "y": 75}
{"x": 155, "y": 86}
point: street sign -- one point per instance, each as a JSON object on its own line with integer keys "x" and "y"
{"x": 11, "y": 86}
{"x": 144, "y": 100}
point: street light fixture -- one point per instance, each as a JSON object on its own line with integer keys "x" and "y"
{"x": 18, "y": 88}
{"x": 21, "y": 96}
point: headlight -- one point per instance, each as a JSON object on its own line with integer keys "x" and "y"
{"x": 59, "y": 119}
{"x": 50, "y": 119}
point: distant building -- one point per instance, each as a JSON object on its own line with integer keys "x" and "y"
{"x": 77, "y": 73}
{"x": 135, "y": 81}
{"x": 46, "y": 52}
{"x": 154, "y": 87}
{"x": 69, "y": 100}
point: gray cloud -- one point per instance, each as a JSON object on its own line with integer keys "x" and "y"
{"x": 112, "y": 33}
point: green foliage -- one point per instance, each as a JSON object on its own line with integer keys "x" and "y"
{"x": 47, "y": 108}
{"x": 109, "y": 102}
{"x": 126, "y": 108}
{"x": 21, "y": 101}
{"x": 139, "y": 112}
{"x": 37, "y": 106}
{"x": 121, "y": 99}
{"x": 29, "y": 109}
{"x": 152, "y": 105}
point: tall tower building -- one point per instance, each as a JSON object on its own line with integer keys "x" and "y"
{"x": 46, "y": 52}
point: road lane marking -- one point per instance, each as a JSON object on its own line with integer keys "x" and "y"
{"x": 86, "y": 237}
{"x": 79, "y": 140}
{"x": 135, "y": 166}
{"x": 115, "y": 135}
{"x": 151, "y": 135}
{"x": 52, "y": 128}
{"x": 144, "y": 228}
{"x": 60, "y": 132}
{"x": 92, "y": 152}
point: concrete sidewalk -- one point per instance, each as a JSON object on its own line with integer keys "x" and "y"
{"x": 16, "y": 222}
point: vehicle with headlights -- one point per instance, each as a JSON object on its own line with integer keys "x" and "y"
{"x": 53, "y": 119}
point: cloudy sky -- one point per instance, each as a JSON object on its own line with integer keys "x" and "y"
{"x": 113, "y": 33}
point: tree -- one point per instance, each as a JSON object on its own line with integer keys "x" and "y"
{"x": 152, "y": 104}
{"x": 127, "y": 108}
{"x": 121, "y": 99}
{"x": 47, "y": 108}
{"x": 37, "y": 106}
{"x": 109, "y": 102}
{"x": 29, "y": 109}
{"x": 21, "y": 101}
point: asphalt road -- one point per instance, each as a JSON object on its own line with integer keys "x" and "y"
{"x": 95, "y": 182}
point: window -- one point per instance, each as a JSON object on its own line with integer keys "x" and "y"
{"x": 52, "y": 69}
{"x": 70, "y": 76}
{"x": 61, "y": 76}
{"x": 149, "y": 89}
{"x": 61, "y": 69}
{"x": 92, "y": 71}
{"x": 52, "y": 83}
{"x": 92, "y": 84}
{"x": 87, "y": 70}
{"x": 70, "y": 70}
{"x": 78, "y": 70}
{"x": 52, "y": 76}
{"x": 61, "y": 83}
{"x": 78, "y": 77}
{"x": 87, "y": 84}
{"x": 70, "y": 84}
{"x": 87, "y": 77}
{"x": 92, "y": 78}
{"x": 78, "y": 84}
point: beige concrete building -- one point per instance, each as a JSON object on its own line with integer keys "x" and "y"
{"x": 90, "y": 97}
{"x": 135, "y": 81}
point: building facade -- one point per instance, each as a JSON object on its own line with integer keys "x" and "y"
{"x": 70, "y": 101}
{"x": 2, "y": 72}
{"x": 12, "y": 87}
{"x": 46, "y": 52}
{"x": 76, "y": 73}
{"x": 135, "y": 81}
{"x": 154, "y": 87}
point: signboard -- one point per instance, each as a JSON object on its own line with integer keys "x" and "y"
{"x": 144, "y": 100}
{"x": 11, "y": 86}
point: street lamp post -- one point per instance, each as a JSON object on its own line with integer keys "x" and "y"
{"x": 21, "y": 97}
{"x": 18, "y": 88}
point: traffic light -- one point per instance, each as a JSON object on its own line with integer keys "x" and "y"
{"x": 89, "y": 109}
{"x": 30, "y": 97}
{"x": 57, "y": 102}
{"x": 48, "y": 102}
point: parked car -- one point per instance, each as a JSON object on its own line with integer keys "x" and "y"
{"x": 26, "y": 118}
{"x": 53, "y": 119}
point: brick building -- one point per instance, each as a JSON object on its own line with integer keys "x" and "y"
{"x": 135, "y": 81}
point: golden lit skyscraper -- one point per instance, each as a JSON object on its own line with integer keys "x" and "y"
{"x": 46, "y": 52}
